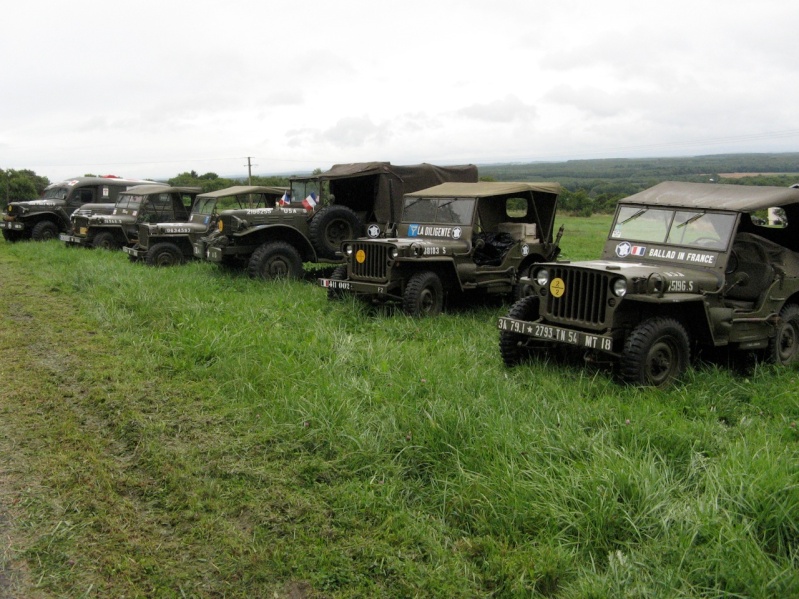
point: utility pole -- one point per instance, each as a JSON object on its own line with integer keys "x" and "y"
{"x": 249, "y": 170}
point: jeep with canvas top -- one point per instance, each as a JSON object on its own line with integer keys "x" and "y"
{"x": 170, "y": 243}
{"x": 137, "y": 205}
{"x": 48, "y": 216}
{"x": 317, "y": 214}
{"x": 685, "y": 265}
{"x": 452, "y": 238}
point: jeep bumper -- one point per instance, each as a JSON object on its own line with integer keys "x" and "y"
{"x": 359, "y": 287}
{"x": 73, "y": 239}
{"x": 135, "y": 252}
{"x": 545, "y": 332}
{"x": 12, "y": 225}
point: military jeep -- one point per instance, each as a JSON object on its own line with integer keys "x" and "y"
{"x": 454, "y": 237}
{"x": 317, "y": 214}
{"x": 685, "y": 266}
{"x": 170, "y": 243}
{"x": 140, "y": 204}
{"x": 48, "y": 216}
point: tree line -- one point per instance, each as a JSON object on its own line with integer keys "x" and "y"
{"x": 590, "y": 186}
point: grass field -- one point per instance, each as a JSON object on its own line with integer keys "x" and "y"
{"x": 192, "y": 433}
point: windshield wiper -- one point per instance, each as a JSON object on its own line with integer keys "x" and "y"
{"x": 634, "y": 216}
{"x": 692, "y": 219}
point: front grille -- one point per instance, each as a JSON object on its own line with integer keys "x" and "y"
{"x": 375, "y": 264}
{"x": 144, "y": 236}
{"x": 80, "y": 224}
{"x": 585, "y": 299}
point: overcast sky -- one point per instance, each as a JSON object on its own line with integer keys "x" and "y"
{"x": 152, "y": 89}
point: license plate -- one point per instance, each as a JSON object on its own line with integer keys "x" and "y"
{"x": 335, "y": 284}
{"x": 556, "y": 334}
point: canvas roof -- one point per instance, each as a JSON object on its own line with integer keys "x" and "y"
{"x": 148, "y": 189}
{"x": 484, "y": 188}
{"x": 740, "y": 198}
{"x": 243, "y": 189}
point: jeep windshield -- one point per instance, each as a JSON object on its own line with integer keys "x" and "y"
{"x": 302, "y": 188}
{"x": 442, "y": 211}
{"x": 129, "y": 204}
{"x": 55, "y": 193}
{"x": 692, "y": 228}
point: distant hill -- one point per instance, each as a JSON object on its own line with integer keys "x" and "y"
{"x": 595, "y": 185}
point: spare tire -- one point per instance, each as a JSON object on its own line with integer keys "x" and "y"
{"x": 332, "y": 225}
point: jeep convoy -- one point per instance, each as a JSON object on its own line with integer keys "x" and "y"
{"x": 318, "y": 214}
{"x": 141, "y": 204}
{"x": 48, "y": 216}
{"x": 170, "y": 243}
{"x": 452, "y": 238}
{"x": 685, "y": 265}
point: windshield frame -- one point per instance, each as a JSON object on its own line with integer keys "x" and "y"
{"x": 674, "y": 226}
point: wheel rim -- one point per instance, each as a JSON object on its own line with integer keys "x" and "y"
{"x": 661, "y": 362}
{"x": 276, "y": 267}
{"x": 165, "y": 259}
{"x": 427, "y": 300}
{"x": 787, "y": 342}
{"x": 337, "y": 232}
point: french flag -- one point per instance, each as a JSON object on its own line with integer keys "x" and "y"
{"x": 310, "y": 201}
{"x": 284, "y": 201}
{"x": 638, "y": 250}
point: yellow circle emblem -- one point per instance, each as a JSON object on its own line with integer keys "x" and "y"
{"x": 360, "y": 256}
{"x": 557, "y": 287}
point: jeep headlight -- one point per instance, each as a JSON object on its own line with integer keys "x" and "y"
{"x": 542, "y": 277}
{"x": 393, "y": 252}
{"x": 348, "y": 249}
{"x": 619, "y": 287}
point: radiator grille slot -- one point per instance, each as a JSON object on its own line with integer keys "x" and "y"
{"x": 585, "y": 298}
{"x": 375, "y": 264}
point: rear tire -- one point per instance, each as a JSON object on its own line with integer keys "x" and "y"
{"x": 655, "y": 353}
{"x": 511, "y": 346}
{"x": 105, "y": 241}
{"x": 164, "y": 254}
{"x": 784, "y": 346}
{"x": 44, "y": 231}
{"x": 424, "y": 295}
{"x": 275, "y": 260}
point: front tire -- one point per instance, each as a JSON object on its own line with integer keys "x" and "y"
{"x": 275, "y": 260}
{"x": 164, "y": 254}
{"x": 105, "y": 241}
{"x": 424, "y": 295}
{"x": 12, "y": 236}
{"x": 511, "y": 345}
{"x": 784, "y": 346}
{"x": 339, "y": 274}
{"x": 44, "y": 231}
{"x": 655, "y": 353}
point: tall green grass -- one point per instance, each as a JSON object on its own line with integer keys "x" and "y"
{"x": 199, "y": 433}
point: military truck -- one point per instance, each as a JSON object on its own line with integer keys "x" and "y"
{"x": 454, "y": 237}
{"x": 318, "y": 214}
{"x": 48, "y": 216}
{"x": 170, "y": 243}
{"x": 685, "y": 266}
{"x": 134, "y": 206}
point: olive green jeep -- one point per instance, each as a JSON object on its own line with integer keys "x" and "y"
{"x": 170, "y": 243}
{"x": 141, "y": 204}
{"x": 685, "y": 266}
{"x": 452, "y": 238}
{"x": 317, "y": 214}
{"x": 48, "y": 216}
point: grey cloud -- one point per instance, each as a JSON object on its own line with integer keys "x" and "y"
{"x": 506, "y": 110}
